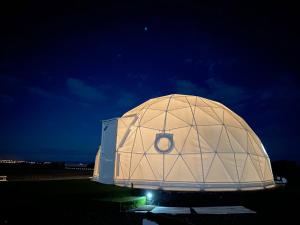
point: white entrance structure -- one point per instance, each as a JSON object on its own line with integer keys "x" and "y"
{"x": 182, "y": 143}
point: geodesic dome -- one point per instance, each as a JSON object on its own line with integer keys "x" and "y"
{"x": 182, "y": 142}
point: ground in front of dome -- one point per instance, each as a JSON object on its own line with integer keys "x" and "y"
{"x": 75, "y": 202}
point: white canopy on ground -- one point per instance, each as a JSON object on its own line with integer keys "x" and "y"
{"x": 183, "y": 142}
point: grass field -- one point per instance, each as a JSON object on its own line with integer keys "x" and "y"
{"x": 58, "y": 202}
{"x": 77, "y": 202}
{"x": 86, "y": 202}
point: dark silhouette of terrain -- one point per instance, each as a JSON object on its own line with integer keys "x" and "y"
{"x": 76, "y": 202}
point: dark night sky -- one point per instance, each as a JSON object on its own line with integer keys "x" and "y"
{"x": 64, "y": 67}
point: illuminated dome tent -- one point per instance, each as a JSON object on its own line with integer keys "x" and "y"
{"x": 182, "y": 143}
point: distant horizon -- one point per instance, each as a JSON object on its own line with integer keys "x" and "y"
{"x": 51, "y": 161}
{"x": 93, "y": 161}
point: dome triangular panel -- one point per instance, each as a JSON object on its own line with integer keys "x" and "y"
{"x": 218, "y": 172}
{"x": 180, "y": 172}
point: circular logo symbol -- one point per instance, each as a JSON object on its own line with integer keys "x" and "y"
{"x": 164, "y": 142}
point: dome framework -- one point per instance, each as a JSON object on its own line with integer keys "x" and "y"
{"x": 188, "y": 143}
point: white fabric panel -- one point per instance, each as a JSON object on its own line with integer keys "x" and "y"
{"x": 207, "y": 159}
{"x": 173, "y": 122}
{"x": 230, "y": 120}
{"x": 156, "y": 123}
{"x": 212, "y": 103}
{"x": 224, "y": 144}
{"x": 200, "y": 103}
{"x": 209, "y": 137}
{"x": 237, "y": 136}
{"x": 182, "y": 99}
{"x": 138, "y": 146}
{"x": 160, "y": 105}
{"x": 249, "y": 173}
{"x": 192, "y": 160}
{"x": 191, "y": 144}
{"x": 268, "y": 171}
{"x": 192, "y": 100}
{"x": 143, "y": 170}
{"x": 262, "y": 163}
{"x": 184, "y": 114}
{"x": 148, "y": 137}
{"x": 149, "y": 115}
{"x": 220, "y": 113}
{"x": 229, "y": 163}
{"x": 180, "y": 137}
{"x": 180, "y": 172}
{"x": 212, "y": 113}
{"x": 124, "y": 166}
{"x": 169, "y": 162}
{"x": 217, "y": 172}
{"x": 157, "y": 164}
{"x": 204, "y": 119}
{"x": 125, "y": 128}
{"x": 238, "y": 145}
{"x": 240, "y": 160}
{"x": 253, "y": 148}
{"x": 174, "y": 104}
{"x": 128, "y": 140}
{"x": 108, "y": 150}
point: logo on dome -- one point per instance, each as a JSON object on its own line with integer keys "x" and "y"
{"x": 164, "y": 142}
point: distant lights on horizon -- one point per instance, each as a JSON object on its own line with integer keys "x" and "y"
{"x": 11, "y": 161}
